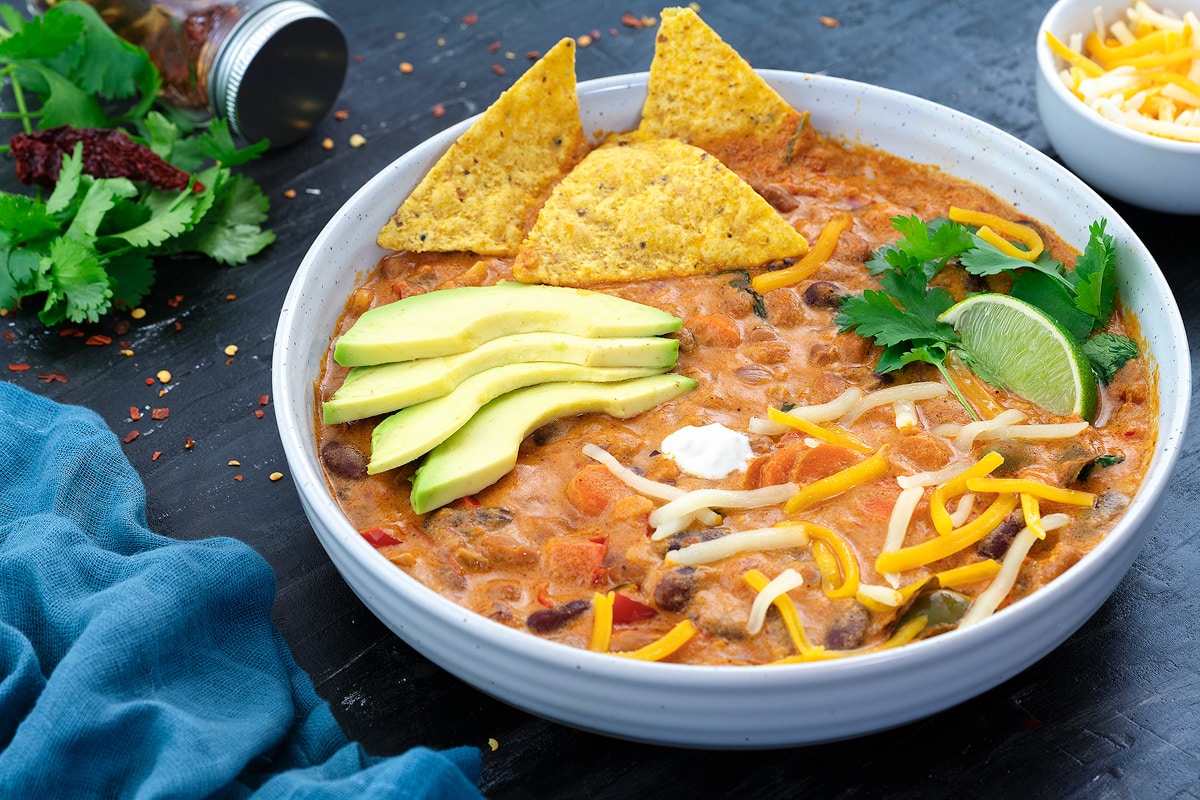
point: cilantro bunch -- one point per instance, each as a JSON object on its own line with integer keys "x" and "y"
{"x": 902, "y": 316}
{"x": 93, "y": 243}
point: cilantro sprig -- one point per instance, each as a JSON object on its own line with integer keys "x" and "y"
{"x": 94, "y": 242}
{"x": 902, "y": 317}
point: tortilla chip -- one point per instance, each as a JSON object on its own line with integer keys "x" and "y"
{"x": 479, "y": 196}
{"x": 651, "y": 208}
{"x": 703, "y": 92}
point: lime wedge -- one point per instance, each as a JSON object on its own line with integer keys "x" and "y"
{"x": 1026, "y": 352}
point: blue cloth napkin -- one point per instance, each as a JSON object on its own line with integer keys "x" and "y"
{"x": 133, "y": 665}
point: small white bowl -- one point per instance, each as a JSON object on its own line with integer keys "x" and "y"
{"x": 721, "y": 706}
{"x": 1148, "y": 171}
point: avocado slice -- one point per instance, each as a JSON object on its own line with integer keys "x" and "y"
{"x": 414, "y": 431}
{"x": 383, "y": 388}
{"x": 452, "y": 321}
{"x": 485, "y": 449}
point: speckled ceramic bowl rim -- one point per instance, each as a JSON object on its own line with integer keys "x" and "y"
{"x": 1047, "y": 63}
{"x": 724, "y": 706}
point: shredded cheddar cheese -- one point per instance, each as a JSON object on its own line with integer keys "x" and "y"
{"x": 810, "y": 262}
{"x": 1032, "y": 513}
{"x": 918, "y": 555}
{"x": 833, "y": 435}
{"x": 902, "y": 635}
{"x": 660, "y": 648}
{"x": 1036, "y": 488}
{"x": 868, "y": 469}
{"x": 989, "y": 224}
{"x": 836, "y": 560}
{"x": 602, "y": 621}
{"x": 787, "y": 610}
{"x": 942, "y": 521}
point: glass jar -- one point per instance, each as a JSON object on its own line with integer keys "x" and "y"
{"x": 273, "y": 68}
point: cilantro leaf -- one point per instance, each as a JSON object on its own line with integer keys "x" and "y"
{"x": 218, "y": 145}
{"x": 1096, "y": 287}
{"x": 987, "y": 259}
{"x": 231, "y": 232}
{"x": 99, "y": 199}
{"x": 925, "y": 245}
{"x": 42, "y": 37}
{"x": 1057, "y": 300}
{"x": 63, "y": 103}
{"x": 78, "y": 287}
{"x": 26, "y": 218}
{"x": 1108, "y": 352}
{"x": 131, "y": 276}
{"x": 107, "y": 65}
{"x": 167, "y": 221}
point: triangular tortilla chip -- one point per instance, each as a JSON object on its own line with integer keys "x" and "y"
{"x": 701, "y": 91}
{"x": 651, "y": 208}
{"x": 479, "y": 195}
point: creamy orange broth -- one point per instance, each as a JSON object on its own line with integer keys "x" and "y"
{"x": 560, "y": 527}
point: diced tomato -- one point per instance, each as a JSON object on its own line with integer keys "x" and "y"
{"x": 378, "y": 537}
{"x": 626, "y": 609}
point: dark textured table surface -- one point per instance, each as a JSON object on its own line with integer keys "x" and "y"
{"x": 1114, "y": 712}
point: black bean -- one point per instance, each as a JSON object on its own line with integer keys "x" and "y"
{"x": 823, "y": 294}
{"x": 996, "y": 543}
{"x": 344, "y": 461}
{"x": 551, "y": 619}
{"x": 848, "y": 628}
{"x": 674, "y": 591}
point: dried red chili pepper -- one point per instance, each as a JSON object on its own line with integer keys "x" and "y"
{"x": 106, "y": 154}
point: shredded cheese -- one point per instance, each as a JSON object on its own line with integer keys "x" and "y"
{"x": 822, "y": 412}
{"x": 1036, "y": 488}
{"x": 906, "y": 414}
{"x": 962, "y": 513}
{"x": 878, "y": 598}
{"x": 920, "y": 390}
{"x": 640, "y": 483}
{"x": 1032, "y": 513}
{"x": 836, "y": 560}
{"x": 1058, "y": 430}
{"x": 956, "y": 577}
{"x": 898, "y": 523}
{"x": 942, "y": 521}
{"x": 602, "y": 621}
{"x": 901, "y": 636}
{"x": 787, "y": 610}
{"x": 923, "y": 479}
{"x": 868, "y": 469}
{"x": 939, "y": 547}
{"x": 783, "y": 583}
{"x": 659, "y": 649}
{"x": 813, "y": 260}
{"x": 989, "y": 224}
{"x": 776, "y": 538}
{"x": 832, "y": 435}
{"x": 1145, "y": 78}
{"x": 966, "y": 436}
{"x": 697, "y": 500}
{"x": 990, "y": 598}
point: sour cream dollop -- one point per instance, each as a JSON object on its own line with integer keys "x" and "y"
{"x": 711, "y": 451}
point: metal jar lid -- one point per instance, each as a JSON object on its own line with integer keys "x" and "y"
{"x": 280, "y": 72}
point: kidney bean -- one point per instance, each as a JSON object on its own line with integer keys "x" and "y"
{"x": 344, "y": 461}
{"x": 549, "y": 620}
{"x": 848, "y": 628}
{"x": 675, "y": 589}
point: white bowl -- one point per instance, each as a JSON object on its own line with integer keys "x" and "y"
{"x": 735, "y": 707}
{"x": 1147, "y": 171}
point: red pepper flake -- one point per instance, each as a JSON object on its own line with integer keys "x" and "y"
{"x": 149, "y": 381}
{"x": 231, "y": 297}
{"x": 439, "y": 110}
{"x": 341, "y": 114}
{"x": 175, "y": 301}
{"x": 98, "y": 340}
{"x": 52, "y": 377}
{"x": 259, "y": 413}
{"x": 830, "y": 22}
{"x": 157, "y": 453}
{"x": 378, "y": 537}
{"x": 238, "y": 478}
{"x": 494, "y": 47}
{"x": 594, "y": 33}
{"x": 358, "y": 59}
{"x": 631, "y": 20}
{"x": 8, "y": 335}
{"x": 135, "y": 413}
{"x": 290, "y": 194}
{"x": 470, "y": 19}
{"x": 189, "y": 443}
{"x": 71, "y": 332}
{"x": 178, "y": 327}
{"x": 543, "y": 596}
{"x": 263, "y": 399}
{"x": 470, "y": 502}
{"x": 160, "y": 413}
{"x": 129, "y": 437}
{"x": 498, "y": 69}
{"x": 17, "y": 367}
{"x": 533, "y": 55}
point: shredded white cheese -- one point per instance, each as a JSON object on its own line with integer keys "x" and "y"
{"x": 776, "y": 538}
{"x": 906, "y": 414}
{"x": 642, "y": 484}
{"x": 703, "y": 499}
{"x": 883, "y": 595}
{"x": 1060, "y": 430}
{"x": 923, "y": 479}
{"x": 782, "y": 584}
{"x": 822, "y": 412}
{"x": 990, "y": 598}
{"x": 898, "y": 523}
{"x": 962, "y": 512}
{"x": 922, "y": 390}
{"x": 968, "y": 433}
